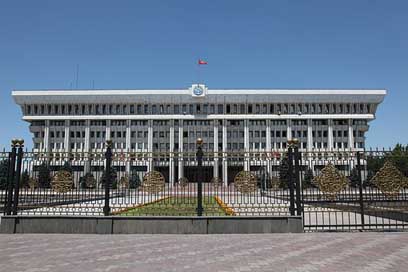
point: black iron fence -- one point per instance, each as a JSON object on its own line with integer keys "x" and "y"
{"x": 338, "y": 190}
{"x": 355, "y": 190}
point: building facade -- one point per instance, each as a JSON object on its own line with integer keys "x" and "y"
{"x": 228, "y": 120}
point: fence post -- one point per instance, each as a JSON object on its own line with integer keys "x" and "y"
{"x": 10, "y": 177}
{"x": 297, "y": 156}
{"x": 20, "y": 144}
{"x": 290, "y": 180}
{"x": 108, "y": 157}
{"x": 199, "y": 156}
{"x": 360, "y": 187}
{"x": 6, "y": 188}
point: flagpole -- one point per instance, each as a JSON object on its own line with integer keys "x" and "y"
{"x": 198, "y": 72}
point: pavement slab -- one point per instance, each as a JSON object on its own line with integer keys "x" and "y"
{"x": 235, "y": 252}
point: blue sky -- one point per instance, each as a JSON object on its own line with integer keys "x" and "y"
{"x": 248, "y": 44}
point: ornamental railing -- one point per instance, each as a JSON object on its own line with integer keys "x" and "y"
{"x": 330, "y": 190}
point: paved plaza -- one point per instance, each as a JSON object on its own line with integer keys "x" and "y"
{"x": 369, "y": 252}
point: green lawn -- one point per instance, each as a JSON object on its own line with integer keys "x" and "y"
{"x": 173, "y": 206}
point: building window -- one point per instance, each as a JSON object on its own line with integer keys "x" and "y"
{"x": 249, "y": 108}
{"x": 220, "y": 109}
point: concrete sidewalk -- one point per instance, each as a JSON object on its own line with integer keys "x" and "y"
{"x": 369, "y": 252}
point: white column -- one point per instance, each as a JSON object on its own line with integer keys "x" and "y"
{"x": 268, "y": 136}
{"x": 216, "y": 163}
{"x": 107, "y": 136}
{"x": 246, "y": 145}
{"x": 180, "y": 159}
{"x": 289, "y": 131}
{"x": 309, "y": 135}
{"x": 87, "y": 146}
{"x": 128, "y": 136}
{"x": 67, "y": 146}
{"x": 350, "y": 135}
{"x": 330, "y": 135}
{"x": 171, "y": 157}
{"x": 150, "y": 145}
{"x": 268, "y": 148}
{"x": 108, "y": 130}
{"x": 46, "y": 140}
{"x": 128, "y": 146}
{"x": 309, "y": 144}
{"x": 224, "y": 155}
{"x": 87, "y": 138}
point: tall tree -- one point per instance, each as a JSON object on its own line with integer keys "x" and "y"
{"x": 354, "y": 178}
{"x": 25, "y": 178}
{"x": 284, "y": 172}
{"x": 44, "y": 176}
{"x": 374, "y": 163}
{"x": 399, "y": 157}
{"x": 3, "y": 174}
{"x": 113, "y": 179}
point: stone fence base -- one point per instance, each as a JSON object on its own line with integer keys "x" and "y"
{"x": 150, "y": 225}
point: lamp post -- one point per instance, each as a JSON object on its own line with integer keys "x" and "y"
{"x": 20, "y": 145}
{"x": 10, "y": 176}
{"x": 199, "y": 156}
{"x": 294, "y": 184}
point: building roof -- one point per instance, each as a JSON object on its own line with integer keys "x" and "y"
{"x": 209, "y": 96}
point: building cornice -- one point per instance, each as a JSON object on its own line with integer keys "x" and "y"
{"x": 202, "y": 117}
{"x": 211, "y": 96}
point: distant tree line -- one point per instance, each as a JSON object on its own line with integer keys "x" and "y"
{"x": 398, "y": 156}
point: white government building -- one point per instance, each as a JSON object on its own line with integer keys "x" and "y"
{"x": 228, "y": 120}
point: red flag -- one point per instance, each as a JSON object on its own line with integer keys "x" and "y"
{"x": 200, "y": 62}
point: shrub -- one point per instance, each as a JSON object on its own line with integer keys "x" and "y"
{"x": 113, "y": 179}
{"x": 87, "y": 181}
{"x": 134, "y": 181}
{"x": 308, "y": 179}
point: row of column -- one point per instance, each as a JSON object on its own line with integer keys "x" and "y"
{"x": 224, "y": 162}
{"x": 46, "y": 143}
